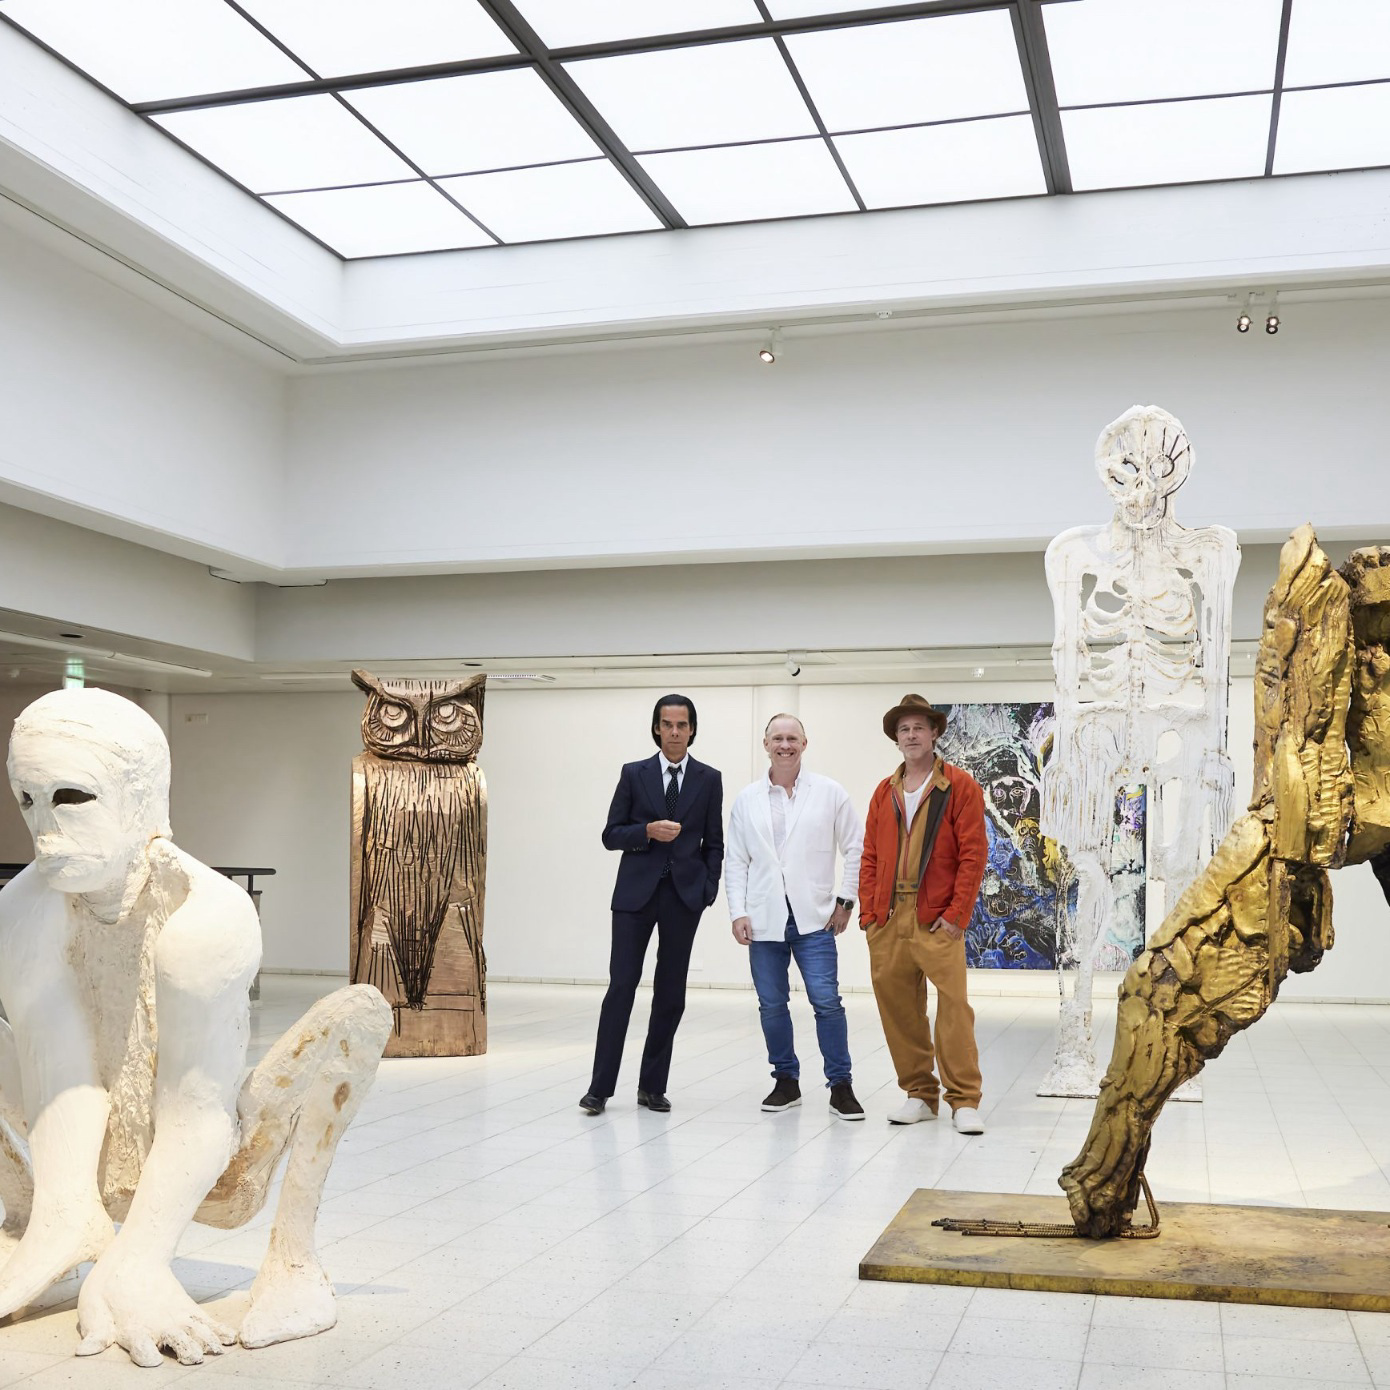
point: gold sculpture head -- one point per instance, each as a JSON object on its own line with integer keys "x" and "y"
{"x": 422, "y": 721}
{"x": 1302, "y": 782}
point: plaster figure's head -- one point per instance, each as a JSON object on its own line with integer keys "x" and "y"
{"x": 90, "y": 771}
{"x": 1143, "y": 458}
{"x": 784, "y": 741}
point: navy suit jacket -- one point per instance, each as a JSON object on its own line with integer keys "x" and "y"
{"x": 696, "y": 855}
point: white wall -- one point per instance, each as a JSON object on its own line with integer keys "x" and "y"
{"x": 54, "y": 570}
{"x": 118, "y": 413}
{"x": 974, "y": 436}
{"x": 265, "y": 781}
{"x": 925, "y": 601}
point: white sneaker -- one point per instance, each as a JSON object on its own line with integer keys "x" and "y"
{"x": 912, "y": 1111}
{"x": 967, "y": 1121}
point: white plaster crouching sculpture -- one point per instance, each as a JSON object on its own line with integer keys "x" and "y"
{"x": 1141, "y": 653}
{"x": 124, "y": 966}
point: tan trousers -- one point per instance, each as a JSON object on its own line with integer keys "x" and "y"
{"x": 902, "y": 958}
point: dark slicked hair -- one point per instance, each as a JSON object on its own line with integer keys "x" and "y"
{"x": 683, "y": 701}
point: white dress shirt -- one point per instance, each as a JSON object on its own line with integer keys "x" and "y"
{"x": 763, "y": 871}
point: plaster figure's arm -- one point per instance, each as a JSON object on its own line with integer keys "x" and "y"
{"x": 849, "y": 836}
{"x": 736, "y": 861}
{"x": 66, "y": 1106}
{"x": 623, "y": 831}
{"x": 205, "y": 959}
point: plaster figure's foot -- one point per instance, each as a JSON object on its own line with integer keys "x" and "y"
{"x": 141, "y": 1307}
{"x": 288, "y": 1300}
{"x": 43, "y": 1256}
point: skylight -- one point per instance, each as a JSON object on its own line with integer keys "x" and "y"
{"x": 429, "y": 125}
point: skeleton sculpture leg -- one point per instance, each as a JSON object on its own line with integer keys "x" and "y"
{"x": 301, "y": 1098}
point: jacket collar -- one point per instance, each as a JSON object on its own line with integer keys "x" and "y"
{"x": 938, "y": 779}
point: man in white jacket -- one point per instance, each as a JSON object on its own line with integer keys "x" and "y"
{"x": 779, "y": 878}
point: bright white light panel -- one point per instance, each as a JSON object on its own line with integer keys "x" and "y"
{"x": 898, "y": 112}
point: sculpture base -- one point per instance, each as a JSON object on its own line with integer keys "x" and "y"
{"x": 1296, "y": 1256}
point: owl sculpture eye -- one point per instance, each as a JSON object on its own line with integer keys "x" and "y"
{"x": 392, "y": 714}
{"x": 445, "y": 716}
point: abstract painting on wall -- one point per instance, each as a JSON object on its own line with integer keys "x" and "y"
{"x": 1004, "y": 746}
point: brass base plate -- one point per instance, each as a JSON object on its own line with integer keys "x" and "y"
{"x": 1299, "y": 1256}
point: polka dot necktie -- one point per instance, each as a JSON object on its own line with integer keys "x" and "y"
{"x": 673, "y": 792}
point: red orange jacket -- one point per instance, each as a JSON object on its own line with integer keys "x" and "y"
{"x": 957, "y": 864}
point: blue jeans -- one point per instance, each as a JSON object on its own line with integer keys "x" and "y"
{"x": 816, "y": 958}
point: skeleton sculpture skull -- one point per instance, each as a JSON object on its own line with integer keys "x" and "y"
{"x": 1142, "y": 610}
{"x": 124, "y": 966}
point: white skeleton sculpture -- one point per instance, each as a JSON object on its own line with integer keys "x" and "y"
{"x": 1141, "y": 652}
{"x": 124, "y": 966}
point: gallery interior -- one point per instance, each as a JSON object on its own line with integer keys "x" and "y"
{"x": 755, "y": 350}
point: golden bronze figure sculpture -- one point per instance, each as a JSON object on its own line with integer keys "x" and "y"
{"x": 419, "y": 860}
{"x": 1263, "y": 905}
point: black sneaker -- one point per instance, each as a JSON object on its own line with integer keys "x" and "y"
{"x": 843, "y": 1102}
{"x": 785, "y": 1094}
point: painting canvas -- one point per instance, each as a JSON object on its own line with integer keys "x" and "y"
{"x": 1004, "y": 746}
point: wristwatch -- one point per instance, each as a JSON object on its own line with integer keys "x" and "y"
{"x": 845, "y": 903}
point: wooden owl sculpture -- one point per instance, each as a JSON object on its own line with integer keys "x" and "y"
{"x": 419, "y": 862}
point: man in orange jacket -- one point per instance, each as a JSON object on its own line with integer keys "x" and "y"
{"x": 923, "y": 863}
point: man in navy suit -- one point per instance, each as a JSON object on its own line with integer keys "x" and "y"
{"x": 667, "y": 819}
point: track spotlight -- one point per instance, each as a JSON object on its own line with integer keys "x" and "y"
{"x": 1243, "y": 322}
{"x": 793, "y": 666}
{"x": 772, "y": 345}
{"x": 1272, "y": 322}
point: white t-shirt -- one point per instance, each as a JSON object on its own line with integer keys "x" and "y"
{"x": 912, "y": 800}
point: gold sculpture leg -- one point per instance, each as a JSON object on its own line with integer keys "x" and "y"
{"x": 1262, "y": 906}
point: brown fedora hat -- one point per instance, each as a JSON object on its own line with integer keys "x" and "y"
{"x": 912, "y": 704}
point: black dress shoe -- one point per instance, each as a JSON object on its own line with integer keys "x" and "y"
{"x": 592, "y": 1104}
{"x": 653, "y": 1100}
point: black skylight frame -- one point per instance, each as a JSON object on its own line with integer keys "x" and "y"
{"x": 548, "y": 63}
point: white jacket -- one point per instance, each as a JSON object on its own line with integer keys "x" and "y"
{"x": 758, "y": 883}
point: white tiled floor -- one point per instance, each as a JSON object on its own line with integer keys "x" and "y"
{"x": 482, "y": 1231}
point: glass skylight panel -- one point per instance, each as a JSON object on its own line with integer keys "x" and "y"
{"x": 287, "y": 144}
{"x": 385, "y": 220}
{"x": 145, "y": 50}
{"x": 920, "y": 70}
{"x": 1176, "y": 142}
{"x": 708, "y": 94}
{"x": 368, "y": 36}
{"x": 564, "y": 23}
{"x": 996, "y": 158}
{"x": 1335, "y": 128}
{"x": 1337, "y": 41}
{"x": 486, "y": 120}
{"x": 560, "y": 200}
{"x": 1145, "y": 50}
{"x": 746, "y": 183}
{"x": 800, "y": 9}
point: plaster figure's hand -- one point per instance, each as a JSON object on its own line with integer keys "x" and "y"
{"x": 46, "y": 1252}
{"x": 140, "y": 1306}
{"x": 839, "y": 920}
{"x": 951, "y": 933}
{"x": 743, "y": 930}
{"x": 663, "y": 830}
